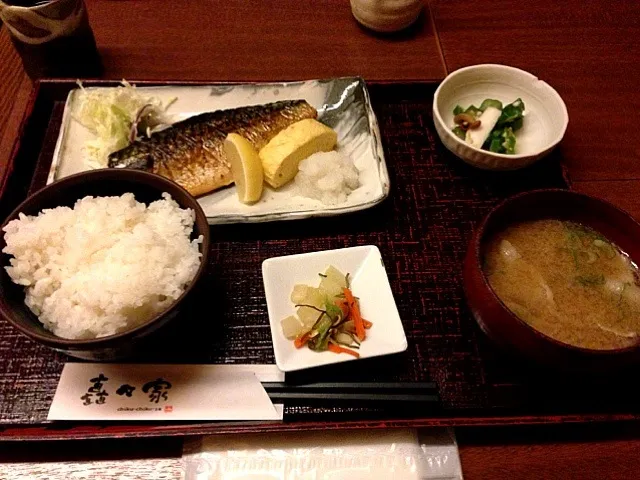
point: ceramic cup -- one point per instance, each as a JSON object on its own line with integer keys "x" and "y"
{"x": 386, "y": 15}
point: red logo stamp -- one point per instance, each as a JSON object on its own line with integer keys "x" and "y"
{"x": 168, "y": 409}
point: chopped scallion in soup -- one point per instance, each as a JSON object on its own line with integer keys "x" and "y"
{"x": 567, "y": 281}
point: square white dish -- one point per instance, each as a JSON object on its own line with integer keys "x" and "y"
{"x": 369, "y": 282}
{"x": 342, "y": 103}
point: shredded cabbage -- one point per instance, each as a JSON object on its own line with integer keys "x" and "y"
{"x": 110, "y": 114}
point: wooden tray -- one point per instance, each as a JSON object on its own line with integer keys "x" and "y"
{"x": 422, "y": 230}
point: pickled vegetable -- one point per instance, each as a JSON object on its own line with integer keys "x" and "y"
{"x": 327, "y": 317}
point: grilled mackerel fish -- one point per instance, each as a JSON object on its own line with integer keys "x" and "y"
{"x": 191, "y": 152}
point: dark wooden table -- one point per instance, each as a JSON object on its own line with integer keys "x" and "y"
{"x": 588, "y": 51}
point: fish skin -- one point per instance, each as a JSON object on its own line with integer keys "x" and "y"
{"x": 191, "y": 152}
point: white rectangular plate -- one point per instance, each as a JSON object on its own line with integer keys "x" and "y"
{"x": 343, "y": 104}
{"x": 369, "y": 283}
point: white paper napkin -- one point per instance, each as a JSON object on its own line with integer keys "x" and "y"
{"x": 395, "y": 454}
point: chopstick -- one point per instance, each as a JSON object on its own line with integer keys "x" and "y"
{"x": 350, "y": 386}
{"x": 351, "y": 397}
{"x": 369, "y": 392}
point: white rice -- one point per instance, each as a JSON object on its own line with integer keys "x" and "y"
{"x": 105, "y": 266}
{"x": 327, "y": 176}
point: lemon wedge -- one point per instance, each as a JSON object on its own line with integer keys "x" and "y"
{"x": 246, "y": 167}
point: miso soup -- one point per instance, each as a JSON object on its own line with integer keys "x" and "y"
{"x": 567, "y": 281}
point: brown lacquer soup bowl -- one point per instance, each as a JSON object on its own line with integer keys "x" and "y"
{"x": 147, "y": 188}
{"x": 505, "y": 328}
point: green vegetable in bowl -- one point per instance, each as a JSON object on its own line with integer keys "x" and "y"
{"x": 491, "y": 126}
{"x": 460, "y": 132}
{"x": 511, "y": 113}
{"x": 501, "y": 140}
{"x": 490, "y": 102}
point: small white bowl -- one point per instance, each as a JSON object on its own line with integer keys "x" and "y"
{"x": 369, "y": 283}
{"x": 545, "y": 114}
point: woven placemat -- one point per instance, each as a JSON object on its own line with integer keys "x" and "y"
{"x": 422, "y": 230}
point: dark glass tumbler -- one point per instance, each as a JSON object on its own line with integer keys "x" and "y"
{"x": 53, "y": 38}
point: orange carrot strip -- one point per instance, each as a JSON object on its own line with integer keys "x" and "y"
{"x": 367, "y": 323}
{"x": 338, "y": 349}
{"x": 301, "y": 340}
{"x": 344, "y": 306}
{"x": 355, "y": 313}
